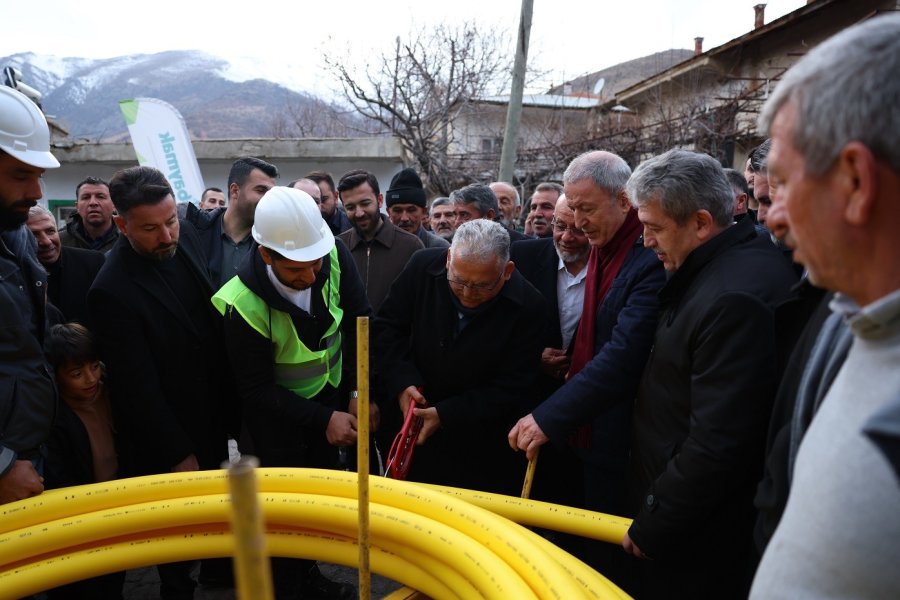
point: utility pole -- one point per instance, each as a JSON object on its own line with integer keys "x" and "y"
{"x": 514, "y": 111}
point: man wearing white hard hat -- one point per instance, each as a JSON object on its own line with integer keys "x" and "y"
{"x": 290, "y": 331}
{"x": 27, "y": 392}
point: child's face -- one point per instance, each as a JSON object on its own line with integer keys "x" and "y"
{"x": 78, "y": 382}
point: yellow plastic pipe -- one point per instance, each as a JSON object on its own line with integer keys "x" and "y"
{"x": 253, "y": 573}
{"x": 362, "y": 453}
{"x": 543, "y": 569}
{"x": 556, "y": 517}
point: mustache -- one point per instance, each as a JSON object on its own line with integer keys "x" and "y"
{"x": 23, "y": 204}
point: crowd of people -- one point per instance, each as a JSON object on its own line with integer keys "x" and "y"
{"x": 724, "y": 376}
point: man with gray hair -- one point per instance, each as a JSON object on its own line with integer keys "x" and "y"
{"x": 836, "y": 161}
{"x": 443, "y": 218}
{"x": 592, "y": 410}
{"x": 761, "y": 192}
{"x": 462, "y": 330}
{"x": 477, "y": 201}
{"x": 70, "y": 270}
{"x": 703, "y": 403}
{"x": 510, "y": 204}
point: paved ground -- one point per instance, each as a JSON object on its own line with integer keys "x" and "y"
{"x": 143, "y": 584}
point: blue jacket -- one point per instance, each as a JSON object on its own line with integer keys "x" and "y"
{"x": 602, "y": 393}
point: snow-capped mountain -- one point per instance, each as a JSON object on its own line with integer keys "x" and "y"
{"x": 216, "y": 98}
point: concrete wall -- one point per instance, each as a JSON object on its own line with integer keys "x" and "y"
{"x": 294, "y": 158}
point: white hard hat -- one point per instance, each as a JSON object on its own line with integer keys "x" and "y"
{"x": 24, "y": 133}
{"x": 289, "y": 222}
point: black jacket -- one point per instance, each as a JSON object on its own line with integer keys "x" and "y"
{"x": 170, "y": 395}
{"x": 288, "y": 430}
{"x": 480, "y": 380}
{"x": 798, "y": 322}
{"x": 73, "y": 235}
{"x": 27, "y": 391}
{"x": 537, "y": 261}
{"x": 702, "y": 411}
{"x": 208, "y": 224}
{"x": 70, "y": 279}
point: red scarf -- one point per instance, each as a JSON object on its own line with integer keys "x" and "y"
{"x": 603, "y": 266}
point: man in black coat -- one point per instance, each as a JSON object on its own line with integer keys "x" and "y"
{"x": 27, "y": 394}
{"x": 70, "y": 271}
{"x": 161, "y": 340}
{"x": 467, "y": 329}
{"x": 705, "y": 397}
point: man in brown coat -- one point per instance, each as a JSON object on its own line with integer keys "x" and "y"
{"x": 380, "y": 249}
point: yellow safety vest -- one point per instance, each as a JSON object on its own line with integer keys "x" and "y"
{"x": 303, "y": 371}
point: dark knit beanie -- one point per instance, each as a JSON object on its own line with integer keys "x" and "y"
{"x": 406, "y": 188}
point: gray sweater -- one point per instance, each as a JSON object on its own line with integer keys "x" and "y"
{"x": 840, "y": 533}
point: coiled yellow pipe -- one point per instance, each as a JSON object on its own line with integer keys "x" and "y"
{"x": 430, "y": 541}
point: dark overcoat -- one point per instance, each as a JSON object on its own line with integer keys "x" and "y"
{"x": 479, "y": 379}
{"x": 68, "y": 285}
{"x": 170, "y": 395}
{"x": 701, "y": 416}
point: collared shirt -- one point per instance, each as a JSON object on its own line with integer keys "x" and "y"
{"x": 233, "y": 254}
{"x": 570, "y": 299}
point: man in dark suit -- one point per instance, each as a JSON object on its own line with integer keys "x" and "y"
{"x": 162, "y": 342}
{"x": 467, "y": 329}
{"x": 70, "y": 271}
{"x": 592, "y": 411}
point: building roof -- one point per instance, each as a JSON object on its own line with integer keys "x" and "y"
{"x": 706, "y": 58}
{"x": 621, "y": 76}
{"x": 546, "y": 101}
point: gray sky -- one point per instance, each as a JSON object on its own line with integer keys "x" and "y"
{"x": 281, "y": 40}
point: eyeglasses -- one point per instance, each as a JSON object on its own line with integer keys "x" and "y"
{"x": 563, "y": 228}
{"x": 475, "y": 288}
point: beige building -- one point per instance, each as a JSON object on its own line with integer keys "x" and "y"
{"x": 710, "y": 102}
{"x": 383, "y": 156}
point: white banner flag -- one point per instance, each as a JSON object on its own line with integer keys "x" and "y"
{"x": 161, "y": 140}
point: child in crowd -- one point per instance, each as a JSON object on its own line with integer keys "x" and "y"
{"x": 82, "y": 446}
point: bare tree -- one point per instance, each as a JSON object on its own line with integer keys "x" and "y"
{"x": 311, "y": 117}
{"x": 416, "y": 90}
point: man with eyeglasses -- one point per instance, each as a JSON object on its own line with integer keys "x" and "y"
{"x": 466, "y": 329}
{"x": 592, "y": 411}
{"x": 557, "y": 267}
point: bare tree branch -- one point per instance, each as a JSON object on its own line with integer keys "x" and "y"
{"x": 417, "y": 88}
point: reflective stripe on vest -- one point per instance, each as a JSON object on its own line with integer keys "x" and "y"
{"x": 303, "y": 371}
